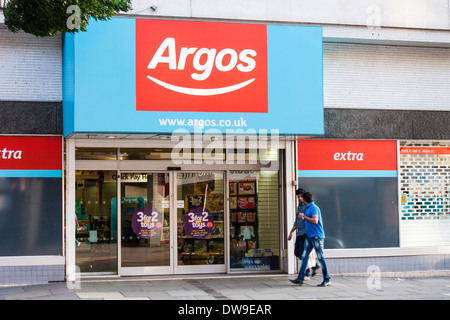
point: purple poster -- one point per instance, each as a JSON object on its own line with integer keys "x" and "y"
{"x": 147, "y": 222}
{"x": 198, "y": 223}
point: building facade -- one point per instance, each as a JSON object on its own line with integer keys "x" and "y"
{"x": 182, "y": 139}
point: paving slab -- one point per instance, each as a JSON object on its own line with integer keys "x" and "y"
{"x": 99, "y": 295}
{"x": 232, "y": 287}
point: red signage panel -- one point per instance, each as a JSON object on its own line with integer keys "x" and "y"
{"x": 347, "y": 155}
{"x": 201, "y": 66}
{"x": 30, "y": 153}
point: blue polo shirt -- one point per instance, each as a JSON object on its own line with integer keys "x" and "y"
{"x": 300, "y": 223}
{"x": 314, "y": 230}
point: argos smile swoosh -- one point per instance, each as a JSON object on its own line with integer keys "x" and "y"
{"x": 201, "y": 92}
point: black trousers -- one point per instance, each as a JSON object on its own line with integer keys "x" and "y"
{"x": 298, "y": 249}
{"x": 299, "y": 245}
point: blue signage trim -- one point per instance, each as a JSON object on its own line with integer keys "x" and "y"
{"x": 100, "y": 87}
{"x": 30, "y": 173}
{"x": 346, "y": 173}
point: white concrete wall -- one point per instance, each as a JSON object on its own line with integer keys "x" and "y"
{"x": 418, "y": 14}
{"x": 422, "y": 14}
{"x": 391, "y": 22}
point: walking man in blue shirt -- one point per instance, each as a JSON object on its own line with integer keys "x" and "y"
{"x": 315, "y": 239}
{"x": 299, "y": 226}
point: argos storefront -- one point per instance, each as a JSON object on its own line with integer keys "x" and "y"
{"x": 180, "y": 144}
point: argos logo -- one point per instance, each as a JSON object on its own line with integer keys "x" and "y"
{"x": 201, "y": 66}
{"x": 211, "y": 59}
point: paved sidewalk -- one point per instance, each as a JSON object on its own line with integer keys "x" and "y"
{"x": 235, "y": 287}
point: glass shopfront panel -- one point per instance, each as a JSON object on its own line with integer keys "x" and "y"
{"x": 96, "y": 154}
{"x": 193, "y": 229}
{"x": 145, "y": 239}
{"x": 30, "y": 216}
{"x": 96, "y": 221}
{"x": 254, "y": 220}
{"x": 200, "y": 218}
{"x": 363, "y": 222}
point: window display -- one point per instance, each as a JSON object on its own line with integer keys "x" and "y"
{"x": 201, "y": 219}
{"x": 254, "y": 220}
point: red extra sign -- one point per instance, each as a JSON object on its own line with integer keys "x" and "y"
{"x": 201, "y": 66}
{"x": 347, "y": 155}
{"x": 30, "y": 153}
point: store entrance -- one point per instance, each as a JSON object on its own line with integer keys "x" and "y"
{"x": 171, "y": 223}
{"x": 139, "y": 217}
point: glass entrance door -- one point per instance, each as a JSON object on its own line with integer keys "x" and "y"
{"x": 172, "y": 222}
{"x": 96, "y": 221}
{"x": 200, "y": 222}
{"x": 145, "y": 223}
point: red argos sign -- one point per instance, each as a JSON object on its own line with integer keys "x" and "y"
{"x": 201, "y": 66}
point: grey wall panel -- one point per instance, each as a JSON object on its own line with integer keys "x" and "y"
{"x": 22, "y": 117}
{"x": 386, "y": 124}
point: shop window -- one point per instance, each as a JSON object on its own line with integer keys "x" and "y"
{"x": 145, "y": 154}
{"x": 254, "y": 220}
{"x": 200, "y": 221}
{"x": 357, "y": 212}
{"x": 182, "y": 155}
{"x": 96, "y": 153}
{"x": 252, "y": 156}
{"x": 96, "y": 221}
{"x": 30, "y": 216}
